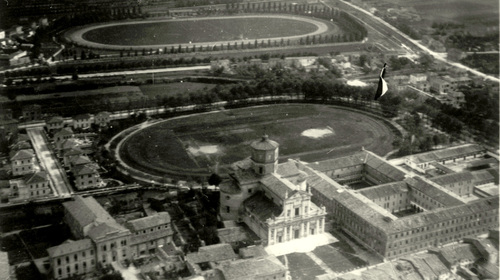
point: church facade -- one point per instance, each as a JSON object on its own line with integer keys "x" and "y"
{"x": 272, "y": 199}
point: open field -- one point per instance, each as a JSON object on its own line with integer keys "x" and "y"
{"x": 196, "y": 142}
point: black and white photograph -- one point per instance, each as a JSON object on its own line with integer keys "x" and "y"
{"x": 249, "y": 139}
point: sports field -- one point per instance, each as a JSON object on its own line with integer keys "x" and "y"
{"x": 202, "y": 31}
{"x": 305, "y": 131}
{"x": 198, "y": 31}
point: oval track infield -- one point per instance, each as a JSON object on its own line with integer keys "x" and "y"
{"x": 205, "y": 31}
{"x": 192, "y": 144}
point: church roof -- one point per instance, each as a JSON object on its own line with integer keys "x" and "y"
{"x": 262, "y": 207}
{"x": 264, "y": 144}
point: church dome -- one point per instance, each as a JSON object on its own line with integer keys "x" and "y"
{"x": 264, "y": 144}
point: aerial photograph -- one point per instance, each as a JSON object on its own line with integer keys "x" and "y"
{"x": 249, "y": 139}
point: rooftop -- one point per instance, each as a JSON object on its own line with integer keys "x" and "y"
{"x": 212, "y": 253}
{"x": 287, "y": 169}
{"x": 252, "y": 251}
{"x": 385, "y": 190}
{"x": 453, "y": 178}
{"x": 262, "y": 207}
{"x": 82, "y": 117}
{"x": 23, "y": 154}
{"x": 449, "y": 153}
{"x": 106, "y": 229}
{"x": 87, "y": 210}
{"x": 64, "y": 131}
{"x": 37, "y": 177}
{"x": 280, "y": 187}
{"x": 161, "y": 218}
{"x": 437, "y": 194}
{"x": 89, "y": 168}
{"x": 264, "y": 144}
{"x": 55, "y": 119}
{"x": 69, "y": 247}
{"x": 457, "y": 252}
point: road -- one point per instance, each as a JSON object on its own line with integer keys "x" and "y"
{"x": 405, "y": 39}
{"x": 59, "y": 181}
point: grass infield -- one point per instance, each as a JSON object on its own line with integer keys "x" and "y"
{"x": 198, "y": 31}
{"x": 197, "y": 142}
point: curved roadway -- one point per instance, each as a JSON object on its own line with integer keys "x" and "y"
{"x": 77, "y": 35}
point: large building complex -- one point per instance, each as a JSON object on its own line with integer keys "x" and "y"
{"x": 391, "y": 210}
{"x": 399, "y": 212}
{"x": 273, "y": 199}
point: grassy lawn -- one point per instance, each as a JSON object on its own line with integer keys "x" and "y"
{"x": 302, "y": 267}
{"x": 337, "y": 259}
{"x": 198, "y": 31}
{"x": 166, "y": 145}
{"x": 171, "y": 89}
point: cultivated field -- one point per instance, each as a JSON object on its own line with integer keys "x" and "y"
{"x": 477, "y": 15}
{"x": 173, "y": 89}
{"x": 305, "y": 131}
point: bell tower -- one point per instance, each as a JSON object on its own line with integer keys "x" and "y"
{"x": 265, "y": 154}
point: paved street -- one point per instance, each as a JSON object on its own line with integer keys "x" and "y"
{"x": 60, "y": 184}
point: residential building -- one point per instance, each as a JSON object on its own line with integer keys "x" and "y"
{"x": 55, "y": 123}
{"x": 149, "y": 233}
{"x": 208, "y": 258}
{"x": 100, "y": 240}
{"x": 88, "y": 220}
{"x": 69, "y": 154}
{"x": 32, "y": 112}
{"x": 399, "y": 82}
{"x": 14, "y": 59}
{"x": 72, "y": 258}
{"x": 23, "y": 162}
{"x": 87, "y": 176}
{"x": 78, "y": 160}
{"x": 454, "y": 98}
{"x": 63, "y": 134}
{"x": 82, "y": 121}
{"x": 30, "y": 186}
{"x": 102, "y": 119}
{"x": 273, "y": 199}
{"x": 439, "y": 85}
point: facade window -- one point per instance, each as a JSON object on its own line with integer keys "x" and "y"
{"x": 228, "y": 209}
{"x": 58, "y": 261}
{"x": 297, "y": 210}
{"x": 104, "y": 247}
{"x": 76, "y": 257}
